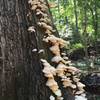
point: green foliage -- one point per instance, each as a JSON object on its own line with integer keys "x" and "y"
{"x": 77, "y": 19}
{"x": 77, "y": 46}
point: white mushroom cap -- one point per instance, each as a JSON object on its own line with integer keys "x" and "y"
{"x": 52, "y": 97}
{"x": 46, "y": 64}
{"x": 68, "y": 74}
{"x": 61, "y": 66}
{"x": 64, "y": 77}
{"x": 80, "y": 97}
{"x": 76, "y": 79}
{"x": 43, "y": 60}
{"x": 58, "y": 93}
{"x": 72, "y": 69}
{"x": 49, "y": 70}
{"x": 73, "y": 86}
{"x": 79, "y": 84}
{"x": 45, "y": 40}
{"x": 79, "y": 92}
{"x": 31, "y": 29}
{"x": 57, "y": 59}
{"x": 46, "y": 70}
{"x": 65, "y": 58}
{"x": 67, "y": 62}
{"x": 63, "y": 53}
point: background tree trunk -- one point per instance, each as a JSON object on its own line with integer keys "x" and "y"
{"x": 21, "y": 77}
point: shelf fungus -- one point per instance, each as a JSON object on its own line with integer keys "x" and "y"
{"x": 39, "y": 12}
{"x": 73, "y": 70}
{"x": 64, "y": 70}
{"x": 61, "y": 68}
{"x": 51, "y": 39}
{"x": 63, "y": 54}
{"x": 31, "y": 29}
{"x": 45, "y": 26}
{"x": 65, "y": 58}
{"x": 48, "y": 31}
{"x": 80, "y": 85}
{"x": 75, "y": 79}
{"x": 67, "y": 82}
{"x": 73, "y": 86}
{"x": 79, "y": 92}
{"x": 48, "y": 70}
{"x": 57, "y": 59}
{"x": 55, "y": 40}
{"x": 55, "y": 50}
{"x": 52, "y": 98}
{"x": 61, "y": 42}
{"x": 52, "y": 84}
{"x": 45, "y": 20}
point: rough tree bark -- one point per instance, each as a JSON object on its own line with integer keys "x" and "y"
{"x": 21, "y": 77}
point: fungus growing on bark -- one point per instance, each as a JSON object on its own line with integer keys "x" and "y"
{"x": 51, "y": 39}
{"x": 73, "y": 70}
{"x": 48, "y": 31}
{"x": 58, "y": 93}
{"x": 79, "y": 84}
{"x": 55, "y": 50}
{"x": 45, "y": 20}
{"x": 63, "y": 69}
{"x": 75, "y": 79}
{"x": 61, "y": 42}
{"x": 48, "y": 70}
{"x": 41, "y": 51}
{"x": 66, "y": 82}
{"x": 31, "y": 29}
{"x": 52, "y": 84}
{"x": 79, "y": 92}
{"x": 52, "y": 97}
{"x": 34, "y": 50}
{"x": 34, "y": 7}
{"x": 57, "y": 59}
{"x": 65, "y": 58}
{"x": 39, "y": 12}
{"x": 63, "y": 54}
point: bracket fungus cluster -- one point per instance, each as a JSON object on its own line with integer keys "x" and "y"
{"x": 63, "y": 70}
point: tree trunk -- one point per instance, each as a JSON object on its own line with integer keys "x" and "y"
{"x": 76, "y": 16}
{"x": 21, "y": 76}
